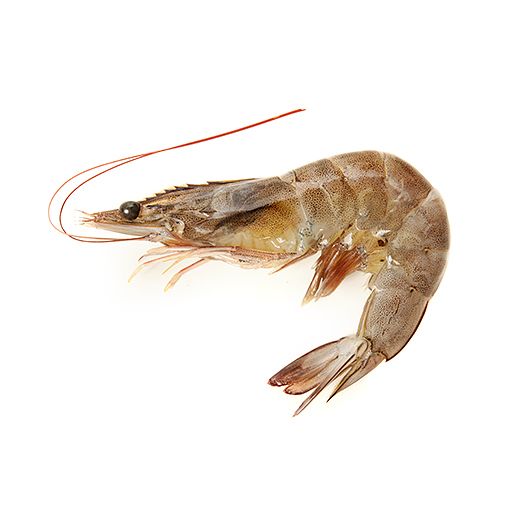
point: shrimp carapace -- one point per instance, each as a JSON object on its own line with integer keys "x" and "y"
{"x": 365, "y": 211}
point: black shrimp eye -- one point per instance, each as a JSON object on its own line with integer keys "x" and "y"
{"x": 130, "y": 210}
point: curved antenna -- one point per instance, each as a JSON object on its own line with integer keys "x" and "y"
{"x": 114, "y": 164}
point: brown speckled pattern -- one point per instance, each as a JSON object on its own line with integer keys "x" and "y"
{"x": 376, "y": 207}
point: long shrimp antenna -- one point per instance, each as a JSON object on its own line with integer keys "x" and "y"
{"x": 114, "y": 164}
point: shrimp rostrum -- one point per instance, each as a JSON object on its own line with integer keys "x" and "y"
{"x": 365, "y": 211}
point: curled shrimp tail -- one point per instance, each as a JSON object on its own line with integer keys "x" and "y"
{"x": 344, "y": 361}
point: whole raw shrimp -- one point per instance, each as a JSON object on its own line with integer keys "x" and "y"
{"x": 366, "y": 211}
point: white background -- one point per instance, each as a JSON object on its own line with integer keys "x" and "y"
{"x": 118, "y": 397}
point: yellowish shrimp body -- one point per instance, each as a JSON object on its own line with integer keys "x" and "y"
{"x": 365, "y": 211}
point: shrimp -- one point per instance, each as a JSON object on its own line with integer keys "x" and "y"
{"x": 366, "y": 211}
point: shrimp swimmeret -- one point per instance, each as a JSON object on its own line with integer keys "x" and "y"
{"x": 366, "y": 211}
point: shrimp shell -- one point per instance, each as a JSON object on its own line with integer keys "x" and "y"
{"x": 366, "y": 211}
